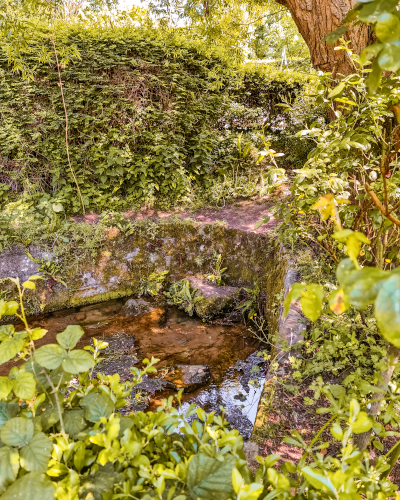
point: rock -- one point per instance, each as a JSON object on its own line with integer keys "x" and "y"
{"x": 133, "y": 307}
{"x": 189, "y": 377}
{"x": 216, "y": 299}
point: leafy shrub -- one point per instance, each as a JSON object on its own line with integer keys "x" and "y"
{"x": 150, "y": 116}
{"x": 62, "y": 436}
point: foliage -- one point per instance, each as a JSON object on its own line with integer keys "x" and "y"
{"x": 216, "y": 276}
{"x": 383, "y": 17}
{"x": 355, "y": 161}
{"x": 150, "y": 116}
{"x": 182, "y": 295}
{"x": 66, "y": 439}
{"x": 152, "y": 284}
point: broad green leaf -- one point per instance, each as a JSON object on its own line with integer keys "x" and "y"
{"x": 9, "y": 466}
{"x": 36, "y": 454}
{"x": 32, "y": 486}
{"x": 374, "y": 77}
{"x": 70, "y": 336}
{"x": 237, "y": 480}
{"x": 209, "y": 478}
{"x": 10, "y": 348}
{"x": 316, "y": 478}
{"x": 74, "y": 422}
{"x": 38, "y": 333}
{"x": 99, "y": 484}
{"x": 8, "y": 411}
{"x": 50, "y": 356}
{"x": 337, "y": 90}
{"x": 7, "y": 331}
{"x": 387, "y": 310}
{"x": 78, "y": 361}
{"x": 311, "y": 301}
{"x": 334, "y": 36}
{"x": 11, "y": 308}
{"x": 294, "y": 294}
{"x": 337, "y": 431}
{"x": 5, "y": 387}
{"x": 370, "y": 52}
{"x": 97, "y": 406}
{"x": 17, "y": 431}
{"x": 387, "y": 29}
{"x": 251, "y": 491}
{"x": 389, "y": 57}
{"x": 24, "y": 385}
{"x": 29, "y": 284}
{"x": 362, "y": 287}
{"x": 362, "y": 423}
{"x": 371, "y": 12}
{"x": 344, "y": 270}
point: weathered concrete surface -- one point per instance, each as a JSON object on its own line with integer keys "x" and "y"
{"x": 183, "y": 247}
{"x": 216, "y": 299}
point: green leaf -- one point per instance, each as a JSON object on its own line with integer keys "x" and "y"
{"x": 8, "y": 411}
{"x": 50, "y": 356}
{"x": 97, "y": 406}
{"x": 78, "y": 361}
{"x": 32, "y": 486}
{"x": 99, "y": 484}
{"x": 363, "y": 286}
{"x": 11, "y": 308}
{"x": 294, "y": 294}
{"x": 9, "y": 466}
{"x": 389, "y": 58}
{"x": 35, "y": 455}
{"x": 344, "y": 270}
{"x": 38, "y": 333}
{"x": 57, "y": 207}
{"x": 17, "y": 431}
{"x": 387, "y": 310}
{"x": 5, "y": 387}
{"x": 74, "y": 422}
{"x": 29, "y": 284}
{"x": 10, "y": 348}
{"x": 374, "y": 77}
{"x": 362, "y": 423}
{"x": 24, "y": 385}
{"x": 311, "y": 301}
{"x": 209, "y": 478}
{"x": 319, "y": 481}
{"x": 70, "y": 336}
{"x": 337, "y": 90}
{"x": 387, "y": 29}
{"x": 371, "y": 12}
{"x": 334, "y": 36}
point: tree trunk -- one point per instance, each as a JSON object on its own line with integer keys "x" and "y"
{"x": 317, "y": 18}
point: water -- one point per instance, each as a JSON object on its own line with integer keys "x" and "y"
{"x": 176, "y": 339}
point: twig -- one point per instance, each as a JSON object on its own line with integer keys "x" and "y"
{"x": 379, "y": 205}
{"x": 66, "y": 124}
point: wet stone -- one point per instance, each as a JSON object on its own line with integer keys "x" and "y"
{"x": 189, "y": 377}
{"x": 216, "y": 299}
{"x": 134, "y": 307}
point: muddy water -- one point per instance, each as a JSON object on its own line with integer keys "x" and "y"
{"x": 176, "y": 339}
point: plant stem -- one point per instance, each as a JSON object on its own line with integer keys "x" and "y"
{"x": 54, "y": 391}
{"x": 66, "y": 124}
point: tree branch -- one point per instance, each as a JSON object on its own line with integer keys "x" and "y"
{"x": 379, "y": 205}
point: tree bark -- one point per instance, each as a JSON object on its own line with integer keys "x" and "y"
{"x": 317, "y": 18}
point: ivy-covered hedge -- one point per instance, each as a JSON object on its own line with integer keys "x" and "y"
{"x": 147, "y": 117}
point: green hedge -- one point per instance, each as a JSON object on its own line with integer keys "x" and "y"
{"x": 147, "y": 117}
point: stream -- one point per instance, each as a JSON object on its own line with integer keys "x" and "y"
{"x": 228, "y": 371}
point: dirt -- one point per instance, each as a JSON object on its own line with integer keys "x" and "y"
{"x": 240, "y": 215}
